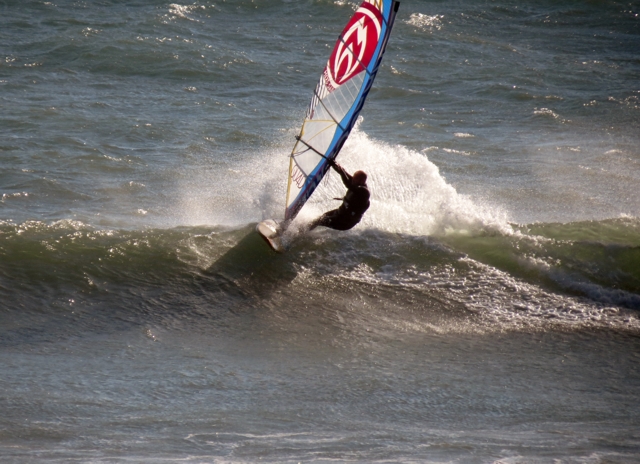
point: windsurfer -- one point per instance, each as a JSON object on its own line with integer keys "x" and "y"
{"x": 354, "y": 203}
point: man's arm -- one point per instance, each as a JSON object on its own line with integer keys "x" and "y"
{"x": 346, "y": 177}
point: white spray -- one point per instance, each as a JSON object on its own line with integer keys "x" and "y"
{"x": 408, "y": 193}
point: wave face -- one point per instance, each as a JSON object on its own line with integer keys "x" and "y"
{"x": 577, "y": 275}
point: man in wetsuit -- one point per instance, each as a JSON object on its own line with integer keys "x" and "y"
{"x": 354, "y": 203}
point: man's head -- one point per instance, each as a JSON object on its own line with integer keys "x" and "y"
{"x": 360, "y": 178}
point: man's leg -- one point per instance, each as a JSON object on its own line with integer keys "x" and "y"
{"x": 325, "y": 220}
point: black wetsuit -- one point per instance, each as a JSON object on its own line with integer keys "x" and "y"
{"x": 354, "y": 204}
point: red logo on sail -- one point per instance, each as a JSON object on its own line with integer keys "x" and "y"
{"x": 298, "y": 177}
{"x": 353, "y": 53}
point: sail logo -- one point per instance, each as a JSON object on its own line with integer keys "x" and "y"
{"x": 298, "y": 177}
{"x": 355, "y": 47}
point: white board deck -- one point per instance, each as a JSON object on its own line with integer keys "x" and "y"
{"x": 269, "y": 231}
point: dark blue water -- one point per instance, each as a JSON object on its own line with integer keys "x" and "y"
{"x": 485, "y": 309}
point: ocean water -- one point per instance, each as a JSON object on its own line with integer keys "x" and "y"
{"x": 486, "y": 309}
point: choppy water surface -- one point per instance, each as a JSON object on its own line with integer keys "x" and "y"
{"x": 485, "y": 310}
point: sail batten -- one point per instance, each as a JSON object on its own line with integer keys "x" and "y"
{"x": 338, "y": 98}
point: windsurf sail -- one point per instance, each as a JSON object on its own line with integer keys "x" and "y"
{"x": 338, "y": 98}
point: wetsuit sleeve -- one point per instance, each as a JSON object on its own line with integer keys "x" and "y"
{"x": 346, "y": 177}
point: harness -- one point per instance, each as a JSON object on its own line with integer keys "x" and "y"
{"x": 355, "y": 201}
